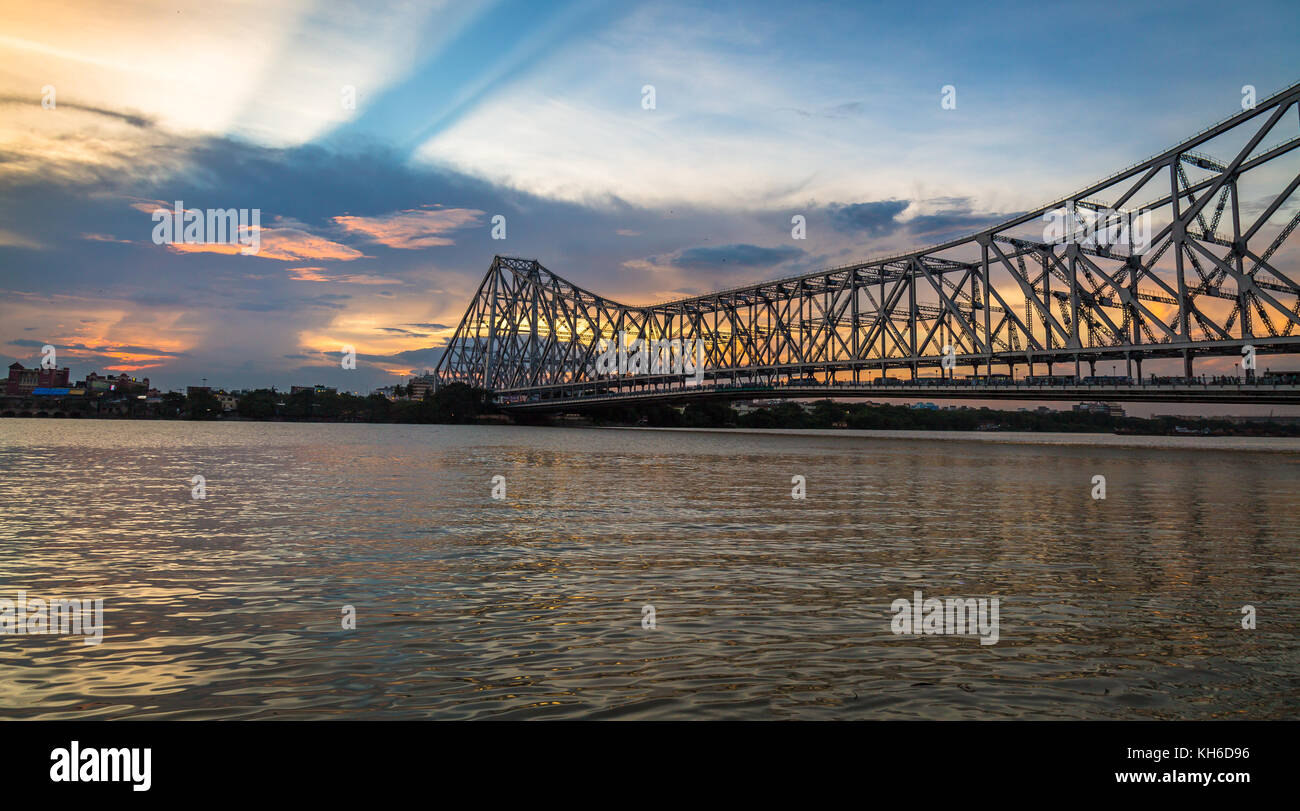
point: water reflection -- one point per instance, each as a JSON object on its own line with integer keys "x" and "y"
{"x": 767, "y": 607}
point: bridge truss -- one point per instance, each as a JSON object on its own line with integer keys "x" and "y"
{"x": 1206, "y": 282}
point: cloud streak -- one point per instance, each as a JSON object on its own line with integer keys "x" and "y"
{"x": 411, "y": 230}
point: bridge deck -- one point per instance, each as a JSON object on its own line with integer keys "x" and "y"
{"x": 1243, "y": 392}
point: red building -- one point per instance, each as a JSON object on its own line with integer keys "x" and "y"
{"x": 123, "y": 384}
{"x": 22, "y": 381}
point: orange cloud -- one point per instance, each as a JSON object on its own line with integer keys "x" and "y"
{"x": 284, "y": 244}
{"x": 411, "y": 229}
{"x": 205, "y": 247}
{"x": 292, "y": 245}
{"x": 319, "y": 275}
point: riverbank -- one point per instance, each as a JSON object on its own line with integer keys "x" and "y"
{"x": 835, "y": 415}
{"x": 1172, "y": 442}
{"x": 474, "y": 407}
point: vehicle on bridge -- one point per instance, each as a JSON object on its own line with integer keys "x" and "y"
{"x": 1051, "y": 380}
{"x": 1107, "y": 380}
{"x": 936, "y": 381}
{"x": 990, "y": 380}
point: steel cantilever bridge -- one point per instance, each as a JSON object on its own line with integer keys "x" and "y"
{"x": 1205, "y": 283}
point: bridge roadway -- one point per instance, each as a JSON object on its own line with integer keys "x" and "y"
{"x": 556, "y": 398}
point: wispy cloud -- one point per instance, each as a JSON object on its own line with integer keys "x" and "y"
{"x": 321, "y": 275}
{"x": 412, "y": 229}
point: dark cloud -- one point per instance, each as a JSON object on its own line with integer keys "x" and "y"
{"x": 950, "y": 217}
{"x": 426, "y": 357}
{"x": 954, "y": 222}
{"x": 325, "y": 301}
{"x": 134, "y": 119}
{"x": 80, "y": 347}
{"x": 739, "y": 255}
{"x": 874, "y": 219}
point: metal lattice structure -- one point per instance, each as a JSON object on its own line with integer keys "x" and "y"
{"x": 1206, "y": 282}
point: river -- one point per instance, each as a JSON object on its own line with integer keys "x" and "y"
{"x": 534, "y": 605}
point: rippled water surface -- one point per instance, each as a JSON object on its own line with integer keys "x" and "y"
{"x": 531, "y": 607}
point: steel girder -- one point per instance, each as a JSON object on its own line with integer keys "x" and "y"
{"x": 1206, "y": 284}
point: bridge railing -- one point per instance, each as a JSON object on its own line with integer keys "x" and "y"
{"x": 1081, "y": 388}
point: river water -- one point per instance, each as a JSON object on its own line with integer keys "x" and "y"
{"x": 532, "y": 605}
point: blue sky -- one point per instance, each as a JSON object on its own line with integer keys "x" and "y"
{"x": 377, "y": 219}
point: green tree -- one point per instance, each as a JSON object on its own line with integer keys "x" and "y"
{"x": 202, "y": 405}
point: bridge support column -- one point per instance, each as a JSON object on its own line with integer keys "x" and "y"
{"x": 1138, "y": 361}
{"x": 1092, "y": 368}
{"x": 1187, "y": 363}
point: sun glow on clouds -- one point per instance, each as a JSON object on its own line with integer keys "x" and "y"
{"x": 320, "y": 275}
{"x": 115, "y": 357}
{"x": 411, "y": 229}
{"x": 755, "y": 114}
{"x": 272, "y": 72}
{"x": 89, "y": 346}
{"x": 731, "y": 127}
{"x": 725, "y": 128}
{"x": 129, "y": 362}
{"x": 370, "y": 334}
{"x": 283, "y": 244}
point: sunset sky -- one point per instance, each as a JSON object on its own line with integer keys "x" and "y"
{"x": 377, "y": 217}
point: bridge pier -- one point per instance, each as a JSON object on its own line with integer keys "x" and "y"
{"x": 1187, "y": 363}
